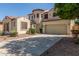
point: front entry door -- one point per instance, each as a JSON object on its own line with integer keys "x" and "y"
{"x": 7, "y": 25}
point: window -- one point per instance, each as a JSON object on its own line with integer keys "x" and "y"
{"x": 29, "y": 17}
{"x": 42, "y": 16}
{"x": 37, "y": 15}
{"x": 46, "y": 16}
{"x": 34, "y": 16}
{"x": 54, "y": 14}
{"x": 23, "y": 25}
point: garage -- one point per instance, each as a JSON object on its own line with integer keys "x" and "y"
{"x": 56, "y": 29}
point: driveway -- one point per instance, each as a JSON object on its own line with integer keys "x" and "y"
{"x": 29, "y": 46}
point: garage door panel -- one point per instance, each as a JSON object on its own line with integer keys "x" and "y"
{"x": 56, "y": 29}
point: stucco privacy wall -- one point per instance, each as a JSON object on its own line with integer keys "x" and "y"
{"x": 1, "y": 27}
{"x": 59, "y": 22}
{"x": 11, "y": 27}
{"x": 22, "y": 19}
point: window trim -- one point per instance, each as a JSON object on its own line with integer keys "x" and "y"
{"x": 45, "y": 16}
{"x": 37, "y": 15}
{"x": 22, "y": 28}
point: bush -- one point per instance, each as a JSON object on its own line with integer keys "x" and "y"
{"x": 77, "y": 41}
{"x": 75, "y": 31}
{"x": 1, "y": 33}
{"x": 31, "y": 31}
{"x": 13, "y": 34}
{"x": 77, "y": 21}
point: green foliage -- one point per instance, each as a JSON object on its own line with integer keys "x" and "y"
{"x": 67, "y": 10}
{"x": 77, "y": 21}
{"x": 77, "y": 41}
{"x": 75, "y": 31}
{"x": 32, "y": 31}
{"x": 13, "y": 33}
{"x": 1, "y": 33}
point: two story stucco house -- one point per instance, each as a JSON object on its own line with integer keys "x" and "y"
{"x": 20, "y": 24}
{"x": 49, "y": 23}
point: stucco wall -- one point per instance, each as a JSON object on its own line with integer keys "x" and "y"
{"x": 10, "y": 24}
{"x": 1, "y": 27}
{"x": 50, "y": 14}
{"x": 19, "y": 20}
{"x": 37, "y": 20}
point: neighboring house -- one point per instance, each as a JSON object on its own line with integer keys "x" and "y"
{"x": 1, "y": 26}
{"x": 20, "y": 24}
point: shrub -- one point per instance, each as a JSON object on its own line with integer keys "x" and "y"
{"x": 31, "y": 31}
{"x": 1, "y": 33}
{"x": 13, "y": 33}
{"x": 77, "y": 41}
{"x": 75, "y": 31}
{"x": 77, "y": 21}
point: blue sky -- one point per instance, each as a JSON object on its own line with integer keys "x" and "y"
{"x": 21, "y": 9}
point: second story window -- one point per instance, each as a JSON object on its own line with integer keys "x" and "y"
{"x": 46, "y": 16}
{"x": 42, "y": 16}
{"x": 37, "y": 15}
{"x": 54, "y": 14}
{"x": 34, "y": 16}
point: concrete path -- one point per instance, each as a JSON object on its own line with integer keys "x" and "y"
{"x": 28, "y": 46}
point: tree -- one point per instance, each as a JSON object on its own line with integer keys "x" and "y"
{"x": 68, "y": 11}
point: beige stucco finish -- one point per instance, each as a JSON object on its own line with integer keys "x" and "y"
{"x": 1, "y": 27}
{"x": 17, "y": 26}
{"x": 39, "y": 19}
{"x": 19, "y": 20}
{"x": 57, "y": 27}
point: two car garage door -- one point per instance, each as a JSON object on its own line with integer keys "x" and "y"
{"x": 58, "y": 29}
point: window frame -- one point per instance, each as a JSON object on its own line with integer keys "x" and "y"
{"x": 23, "y": 26}
{"x": 46, "y": 16}
{"x": 37, "y": 15}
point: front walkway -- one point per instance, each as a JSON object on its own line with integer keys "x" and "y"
{"x": 32, "y": 45}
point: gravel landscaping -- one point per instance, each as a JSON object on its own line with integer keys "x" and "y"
{"x": 65, "y": 47}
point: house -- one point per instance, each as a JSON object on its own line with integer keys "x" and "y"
{"x": 50, "y": 23}
{"x": 1, "y": 26}
{"x": 20, "y": 24}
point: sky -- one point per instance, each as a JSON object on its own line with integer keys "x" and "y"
{"x": 21, "y": 9}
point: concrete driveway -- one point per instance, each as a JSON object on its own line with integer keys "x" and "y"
{"x": 29, "y": 46}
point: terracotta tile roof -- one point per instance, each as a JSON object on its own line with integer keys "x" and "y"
{"x": 37, "y": 10}
{"x": 9, "y": 17}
